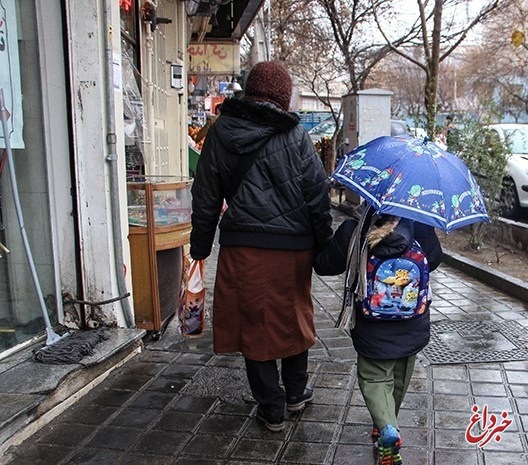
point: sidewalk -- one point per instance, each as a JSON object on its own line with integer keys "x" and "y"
{"x": 177, "y": 403}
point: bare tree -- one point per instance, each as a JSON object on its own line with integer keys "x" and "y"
{"x": 498, "y": 68}
{"x": 439, "y": 28}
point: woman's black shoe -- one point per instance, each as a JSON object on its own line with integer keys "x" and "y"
{"x": 296, "y": 404}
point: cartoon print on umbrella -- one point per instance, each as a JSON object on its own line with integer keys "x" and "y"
{"x": 414, "y": 179}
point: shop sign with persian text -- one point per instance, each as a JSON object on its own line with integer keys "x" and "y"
{"x": 214, "y": 58}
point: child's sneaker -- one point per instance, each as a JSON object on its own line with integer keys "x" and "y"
{"x": 389, "y": 444}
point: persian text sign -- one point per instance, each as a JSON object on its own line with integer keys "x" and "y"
{"x": 10, "y": 74}
{"x": 214, "y": 58}
{"x": 484, "y": 427}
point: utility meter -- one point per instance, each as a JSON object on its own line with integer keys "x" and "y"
{"x": 177, "y": 76}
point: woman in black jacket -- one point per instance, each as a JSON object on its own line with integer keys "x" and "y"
{"x": 386, "y": 348}
{"x": 262, "y": 161}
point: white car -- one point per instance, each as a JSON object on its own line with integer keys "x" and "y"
{"x": 514, "y": 195}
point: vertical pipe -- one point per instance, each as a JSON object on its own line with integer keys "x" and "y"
{"x": 52, "y": 336}
{"x": 111, "y": 158}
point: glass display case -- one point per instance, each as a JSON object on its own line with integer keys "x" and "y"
{"x": 169, "y": 198}
{"x": 159, "y": 215}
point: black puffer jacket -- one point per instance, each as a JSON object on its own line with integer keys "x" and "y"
{"x": 282, "y": 201}
{"x": 384, "y": 339}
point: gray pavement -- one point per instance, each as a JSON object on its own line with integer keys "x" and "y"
{"x": 177, "y": 403}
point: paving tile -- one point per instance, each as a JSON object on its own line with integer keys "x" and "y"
{"x": 174, "y": 420}
{"x": 488, "y": 389}
{"x": 452, "y": 373}
{"x": 111, "y": 397}
{"x": 194, "y": 404}
{"x": 333, "y": 381}
{"x": 330, "y": 396}
{"x": 57, "y": 437}
{"x": 346, "y": 454}
{"x": 455, "y": 457}
{"x": 92, "y": 457}
{"x": 451, "y": 439}
{"x": 88, "y": 414}
{"x": 113, "y": 437}
{"x": 167, "y": 385}
{"x": 152, "y": 400}
{"x": 135, "y": 417}
{"x": 209, "y": 445}
{"x": 483, "y": 375}
{"x": 129, "y": 382}
{"x": 505, "y": 442}
{"x": 305, "y": 453}
{"x": 495, "y": 404}
{"x": 254, "y": 449}
{"x": 158, "y": 442}
{"x": 451, "y": 420}
{"x": 314, "y": 412}
{"x": 222, "y": 424}
{"x": 240, "y": 408}
{"x": 450, "y": 387}
{"x": 412, "y": 417}
{"x": 356, "y": 434}
{"x": 311, "y": 431}
{"x": 136, "y": 459}
{"x": 452, "y": 403}
{"x": 516, "y": 377}
{"x": 40, "y": 454}
{"x": 504, "y": 458}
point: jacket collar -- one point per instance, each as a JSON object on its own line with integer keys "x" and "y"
{"x": 262, "y": 113}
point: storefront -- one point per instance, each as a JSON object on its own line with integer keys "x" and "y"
{"x": 32, "y": 80}
{"x": 96, "y": 91}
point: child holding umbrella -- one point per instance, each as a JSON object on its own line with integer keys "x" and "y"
{"x": 386, "y": 348}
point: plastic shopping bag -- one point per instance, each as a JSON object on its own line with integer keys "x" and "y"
{"x": 191, "y": 312}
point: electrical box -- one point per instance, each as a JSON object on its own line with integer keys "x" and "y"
{"x": 177, "y": 76}
{"x": 366, "y": 115}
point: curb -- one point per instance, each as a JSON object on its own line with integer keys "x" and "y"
{"x": 502, "y": 281}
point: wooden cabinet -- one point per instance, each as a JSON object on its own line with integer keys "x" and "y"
{"x": 159, "y": 212}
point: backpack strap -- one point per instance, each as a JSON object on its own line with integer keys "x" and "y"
{"x": 239, "y": 173}
{"x": 356, "y": 266}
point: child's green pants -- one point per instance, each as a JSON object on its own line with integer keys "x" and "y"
{"x": 383, "y": 384}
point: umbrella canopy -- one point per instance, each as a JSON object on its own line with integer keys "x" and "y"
{"x": 415, "y": 179}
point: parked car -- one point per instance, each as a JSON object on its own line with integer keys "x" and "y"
{"x": 399, "y": 127}
{"x": 327, "y": 127}
{"x": 514, "y": 194}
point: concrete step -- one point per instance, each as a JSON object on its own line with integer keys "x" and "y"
{"x": 33, "y": 393}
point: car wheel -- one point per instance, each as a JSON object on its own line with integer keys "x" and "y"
{"x": 509, "y": 200}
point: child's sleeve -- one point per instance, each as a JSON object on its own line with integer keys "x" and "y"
{"x": 332, "y": 259}
{"x": 427, "y": 238}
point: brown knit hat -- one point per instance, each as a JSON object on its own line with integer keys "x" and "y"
{"x": 269, "y": 82}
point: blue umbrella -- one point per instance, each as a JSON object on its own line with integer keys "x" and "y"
{"x": 415, "y": 179}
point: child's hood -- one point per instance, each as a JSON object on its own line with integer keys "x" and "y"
{"x": 390, "y": 236}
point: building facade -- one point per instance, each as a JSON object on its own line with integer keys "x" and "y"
{"x": 95, "y": 92}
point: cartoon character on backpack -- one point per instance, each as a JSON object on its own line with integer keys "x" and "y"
{"x": 406, "y": 285}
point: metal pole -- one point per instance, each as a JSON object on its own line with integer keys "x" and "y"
{"x": 52, "y": 336}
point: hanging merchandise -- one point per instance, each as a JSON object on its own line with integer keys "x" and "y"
{"x": 191, "y": 312}
{"x": 133, "y": 112}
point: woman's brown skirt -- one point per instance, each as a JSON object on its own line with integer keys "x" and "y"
{"x": 262, "y": 302}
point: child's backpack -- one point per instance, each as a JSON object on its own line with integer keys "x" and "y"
{"x": 398, "y": 287}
